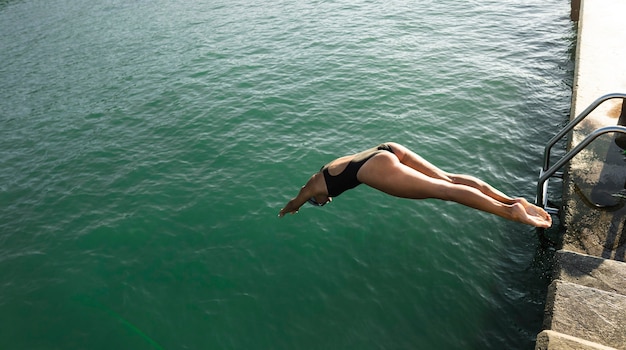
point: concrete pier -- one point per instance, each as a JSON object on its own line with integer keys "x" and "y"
{"x": 586, "y": 302}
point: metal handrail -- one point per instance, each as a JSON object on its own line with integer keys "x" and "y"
{"x": 545, "y": 174}
{"x": 567, "y": 128}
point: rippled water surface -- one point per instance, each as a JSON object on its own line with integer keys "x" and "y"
{"x": 147, "y": 146}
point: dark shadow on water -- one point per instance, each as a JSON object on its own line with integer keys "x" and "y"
{"x": 516, "y": 321}
{"x": 4, "y": 3}
{"x": 551, "y": 238}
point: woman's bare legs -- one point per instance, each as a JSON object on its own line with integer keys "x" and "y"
{"x": 482, "y": 186}
{"x": 391, "y": 174}
{"x": 414, "y": 161}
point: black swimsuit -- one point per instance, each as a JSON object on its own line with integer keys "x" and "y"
{"x": 347, "y": 179}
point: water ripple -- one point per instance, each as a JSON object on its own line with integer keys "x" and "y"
{"x": 148, "y": 146}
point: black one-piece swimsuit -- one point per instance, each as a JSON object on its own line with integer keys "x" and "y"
{"x": 347, "y": 179}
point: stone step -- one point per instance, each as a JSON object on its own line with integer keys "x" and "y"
{"x": 591, "y": 271}
{"x": 587, "y": 313}
{"x": 551, "y": 340}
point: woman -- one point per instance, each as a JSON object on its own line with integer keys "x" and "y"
{"x": 395, "y": 170}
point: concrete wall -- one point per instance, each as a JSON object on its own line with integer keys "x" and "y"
{"x": 586, "y": 302}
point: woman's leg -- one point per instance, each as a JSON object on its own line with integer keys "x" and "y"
{"x": 482, "y": 186}
{"x": 385, "y": 173}
{"x": 414, "y": 161}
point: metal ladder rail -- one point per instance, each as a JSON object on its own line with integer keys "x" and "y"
{"x": 570, "y": 126}
{"x": 542, "y": 184}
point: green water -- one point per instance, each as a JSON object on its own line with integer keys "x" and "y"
{"x": 147, "y": 146}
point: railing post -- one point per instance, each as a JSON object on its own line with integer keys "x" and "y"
{"x": 575, "y": 10}
{"x": 620, "y": 139}
{"x": 567, "y": 128}
{"x": 544, "y": 177}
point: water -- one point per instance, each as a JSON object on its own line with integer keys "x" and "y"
{"x": 147, "y": 146}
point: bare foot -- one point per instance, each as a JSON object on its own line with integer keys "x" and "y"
{"x": 530, "y": 214}
{"x": 534, "y": 210}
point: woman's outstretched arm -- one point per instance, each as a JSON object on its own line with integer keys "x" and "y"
{"x": 310, "y": 189}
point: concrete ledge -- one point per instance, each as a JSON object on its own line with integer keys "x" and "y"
{"x": 550, "y": 340}
{"x": 588, "y": 299}
{"x": 591, "y": 271}
{"x": 593, "y": 217}
{"x": 586, "y": 313}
